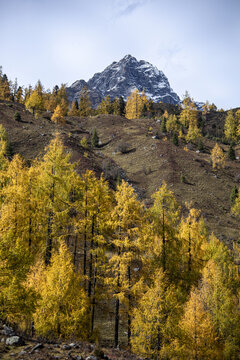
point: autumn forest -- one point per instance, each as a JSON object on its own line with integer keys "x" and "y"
{"x": 76, "y": 251}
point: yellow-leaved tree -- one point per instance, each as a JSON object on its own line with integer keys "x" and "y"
{"x": 5, "y": 92}
{"x": 188, "y": 119}
{"x": 197, "y": 337}
{"x": 56, "y": 175}
{"x": 222, "y": 303}
{"x": 172, "y": 124}
{"x": 230, "y": 126}
{"x": 35, "y": 103}
{"x": 92, "y": 205}
{"x": 165, "y": 215}
{"x": 218, "y": 158}
{"x": 74, "y": 111}
{"x": 5, "y": 149}
{"x": 50, "y": 101}
{"x": 85, "y": 105}
{"x": 135, "y": 104}
{"x": 62, "y": 308}
{"x": 126, "y": 218}
{"x": 105, "y": 107}
{"x": 220, "y": 289}
{"x": 193, "y": 237}
{"x": 59, "y": 115}
{"x": 15, "y": 254}
{"x": 155, "y": 318}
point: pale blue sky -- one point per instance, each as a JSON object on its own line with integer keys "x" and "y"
{"x": 196, "y": 43}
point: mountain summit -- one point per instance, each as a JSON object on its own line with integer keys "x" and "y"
{"x": 121, "y": 78}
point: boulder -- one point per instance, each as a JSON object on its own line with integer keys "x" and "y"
{"x": 15, "y": 341}
{"x": 66, "y": 347}
{"x": 8, "y": 331}
{"x": 91, "y": 357}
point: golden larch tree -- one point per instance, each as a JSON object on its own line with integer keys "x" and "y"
{"x": 230, "y": 126}
{"x": 155, "y": 318}
{"x": 125, "y": 221}
{"x": 62, "y": 309}
{"x": 198, "y": 338}
{"x": 218, "y": 157}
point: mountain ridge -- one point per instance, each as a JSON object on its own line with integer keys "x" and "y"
{"x": 121, "y": 78}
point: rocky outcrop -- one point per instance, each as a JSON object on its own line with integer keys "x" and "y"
{"x": 121, "y": 78}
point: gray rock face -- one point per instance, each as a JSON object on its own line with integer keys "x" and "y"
{"x": 121, "y": 78}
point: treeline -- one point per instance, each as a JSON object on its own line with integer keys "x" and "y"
{"x": 69, "y": 245}
{"x": 184, "y": 123}
{"x": 38, "y": 100}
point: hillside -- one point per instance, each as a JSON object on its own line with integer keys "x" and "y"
{"x": 148, "y": 161}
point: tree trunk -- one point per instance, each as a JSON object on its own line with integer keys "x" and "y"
{"x": 30, "y": 221}
{"x": 189, "y": 252}
{"x": 48, "y": 253}
{"x": 30, "y": 232}
{"x": 164, "y": 241}
{"x": 195, "y": 330}
{"x": 85, "y": 234}
{"x": 75, "y": 252}
{"x": 116, "y": 323}
{"x": 217, "y": 310}
{"x": 91, "y": 257}
{"x": 49, "y": 239}
{"x": 117, "y": 310}
{"x": 93, "y": 295}
{"x": 158, "y": 341}
{"x": 129, "y": 305}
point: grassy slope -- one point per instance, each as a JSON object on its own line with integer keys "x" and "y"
{"x": 149, "y": 162}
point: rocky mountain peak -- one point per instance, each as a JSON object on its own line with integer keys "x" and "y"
{"x": 122, "y": 77}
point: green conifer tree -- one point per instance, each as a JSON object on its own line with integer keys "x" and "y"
{"x": 231, "y": 152}
{"x": 95, "y": 138}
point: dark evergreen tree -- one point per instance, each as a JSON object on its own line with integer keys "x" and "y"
{"x": 175, "y": 139}
{"x": 231, "y": 152}
{"x": 56, "y": 89}
{"x": 95, "y": 138}
{"x": 144, "y": 110}
{"x": 17, "y": 116}
{"x": 163, "y": 125}
{"x": 122, "y": 106}
{"x": 234, "y": 194}
{"x": 4, "y": 78}
{"x": 151, "y": 107}
{"x": 76, "y": 103}
{"x": 200, "y": 146}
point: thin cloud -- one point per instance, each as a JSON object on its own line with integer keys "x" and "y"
{"x": 125, "y": 8}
